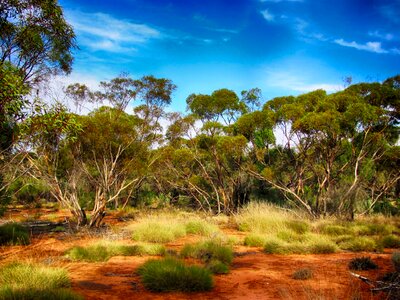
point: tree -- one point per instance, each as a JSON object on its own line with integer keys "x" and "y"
{"x": 331, "y": 143}
{"x": 35, "y": 38}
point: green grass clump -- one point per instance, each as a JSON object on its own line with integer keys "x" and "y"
{"x": 208, "y": 251}
{"x": 170, "y": 274}
{"x": 374, "y": 229}
{"x": 27, "y": 281}
{"x": 390, "y": 241}
{"x": 396, "y": 261}
{"x": 303, "y": 274}
{"x": 362, "y": 263}
{"x": 104, "y": 251}
{"x": 290, "y": 236}
{"x": 13, "y": 234}
{"x": 158, "y": 231}
{"x": 254, "y": 240}
{"x": 200, "y": 227}
{"x": 217, "y": 267}
{"x": 299, "y": 227}
{"x": 358, "y": 244}
{"x": 335, "y": 229}
{"x": 322, "y": 246}
{"x": 276, "y": 246}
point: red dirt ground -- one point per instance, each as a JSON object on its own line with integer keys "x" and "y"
{"x": 254, "y": 274}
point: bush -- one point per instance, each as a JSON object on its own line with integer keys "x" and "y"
{"x": 396, "y": 261}
{"x": 302, "y": 274}
{"x": 254, "y": 240}
{"x": 104, "y": 251}
{"x": 27, "y": 281}
{"x": 391, "y": 241}
{"x": 13, "y": 234}
{"x": 208, "y": 251}
{"x": 173, "y": 275}
{"x": 362, "y": 263}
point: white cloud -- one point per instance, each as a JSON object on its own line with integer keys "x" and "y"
{"x": 267, "y": 15}
{"x": 100, "y": 31}
{"x": 380, "y": 35}
{"x": 288, "y": 80}
{"x": 375, "y": 47}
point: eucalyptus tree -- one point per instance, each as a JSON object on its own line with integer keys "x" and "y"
{"x": 35, "y": 38}
{"x": 330, "y": 141}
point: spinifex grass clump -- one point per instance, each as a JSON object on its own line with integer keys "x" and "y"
{"x": 391, "y": 241}
{"x": 13, "y": 234}
{"x": 362, "y": 263}
{"x": 27, "y": 281}
{"x": 103, "y": 251}
{"x": 396, "y": 261}
{"x": 200, "y": 227}
{"x": 158, "y": 231}
{"x": 170, "y": 274}
{"x": 358, "y": 244}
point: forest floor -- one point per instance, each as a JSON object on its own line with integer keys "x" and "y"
{"x": 253, "y": 274}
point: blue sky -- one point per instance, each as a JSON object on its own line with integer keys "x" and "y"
{"x": 284, "y": 47}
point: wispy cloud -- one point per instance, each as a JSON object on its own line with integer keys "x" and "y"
{"x": 100, "y": 31}
{"x": 380, "y": 35}
{"x": 267, "y": 15}
{"x": 292, "y": 80}
{"x": 375, "y": 47}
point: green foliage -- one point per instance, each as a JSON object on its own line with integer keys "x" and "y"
{"x": 335, "y": 230}
{"x": 303, "y": 274}
{"x": 27, "y": 281}
{"x": 362, "y": 263}
{"x": 41, "y": 40}
{"x": 104, "y": 251}
{"x": 170, "y": 274}
{"x": 13, "y": 234}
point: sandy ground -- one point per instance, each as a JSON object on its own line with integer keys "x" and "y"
{"x": 254, "y": 274}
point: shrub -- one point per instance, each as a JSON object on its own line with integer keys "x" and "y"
{"x": 104, "y": 251}
{"x": 302, "y": 274}
{"x": 391, "y": 241}
{"x": 200, "y": 227}
{"x": 170, "y": 274}
{"x": 208, "y": 251}
{"x": 254, "y": 240}
{"x": 13, "y": 234}
{"x": 158, "y": 231}
{"x": 362, "y": 263}
{"x": 27, "y": 281}
{"x": 396, "y": 261}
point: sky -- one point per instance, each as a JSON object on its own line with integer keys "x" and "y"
{"x": 283, "y": 47}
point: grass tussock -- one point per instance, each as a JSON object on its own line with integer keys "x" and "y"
{"x": 209, "y": 251}
{"x": 166, "y": 228}
{"x": 170, "y": 274}
{"x": 362, "y": 263}
{"x": 28, "y": 281}
{"x": 103, "y": 251}
{"x": 13, "y": 234}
